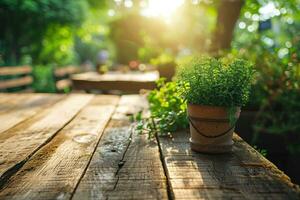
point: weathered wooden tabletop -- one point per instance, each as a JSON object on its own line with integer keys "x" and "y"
{"x": 125, "y": 82}
{"x": 82, "y": 146}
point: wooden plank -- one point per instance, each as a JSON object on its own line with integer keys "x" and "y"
{"x": 20, "y": 142}
{"x": 15, "y": 70}
{"x": 242, "y": 174}
{"x": 10, "y": 100}
{"x": 54, "y": 170}
{"x": 125, "y": 165}
{"x": 14, "y": 101}
{"x": 21, "y": 107}
{"x": 18, "y": 82}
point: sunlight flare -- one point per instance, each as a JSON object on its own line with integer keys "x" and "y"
{"x": 164, "y": 9}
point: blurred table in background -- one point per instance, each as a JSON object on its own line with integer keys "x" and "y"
{"x": 131, "y": 82}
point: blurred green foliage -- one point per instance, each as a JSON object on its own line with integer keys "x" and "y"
{"x": 93, "y": 35}
{"x": 52, "y": 33}
{"x": 56, "y": 32}
{"x": 140, "y": 37}
{"x": 125, "y": 32}
{"x": 27, "y": 26}
{"x": 43, "y": 79}
{"x": 57, "y": 46}
{"x": 275, "y": 52}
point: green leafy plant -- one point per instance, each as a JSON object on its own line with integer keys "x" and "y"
{"x": 217, "y": 82}
{"x": 167, "y": 110}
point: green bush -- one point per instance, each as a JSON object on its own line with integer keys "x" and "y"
{"x": 217, "y": 82}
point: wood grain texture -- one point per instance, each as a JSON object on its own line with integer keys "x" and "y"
{"x": 15, "y": 70}
{"x": 242, "y": 174}
{"x": 17, "y": 82}
{"x": 61, "y": 153}
{"x": 18, "y": 108}
{"x": 9, "y": 101}
{"x": 21, "y": 141}
{"x": 125, "y": 165}
{"x": 54, "y": 170}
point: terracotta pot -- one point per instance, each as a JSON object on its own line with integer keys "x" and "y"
{"x": 211, "y": 131}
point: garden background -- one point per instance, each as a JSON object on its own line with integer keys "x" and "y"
{"x": 53, "y": 33}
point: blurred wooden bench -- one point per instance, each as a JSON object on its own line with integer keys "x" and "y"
{"x": 62, "y": 76}
{"x": 16, "y": 78}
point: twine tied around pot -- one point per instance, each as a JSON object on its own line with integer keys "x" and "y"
{"x": 210, "y": 120}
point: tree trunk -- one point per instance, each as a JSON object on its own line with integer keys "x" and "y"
{"x": 228, "y": 14}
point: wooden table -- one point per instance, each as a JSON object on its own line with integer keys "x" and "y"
{"x": 125, "y": 82}
{"x": 82, "y": 146}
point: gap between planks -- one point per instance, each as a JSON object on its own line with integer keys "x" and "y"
{"x": 77, "y": 184}
{"x": 125, "y": 165}
{"x": 168, "y": 181}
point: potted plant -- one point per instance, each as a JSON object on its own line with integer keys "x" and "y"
{"x": 216, "y": 90}
{"x": 165, "y": 64}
